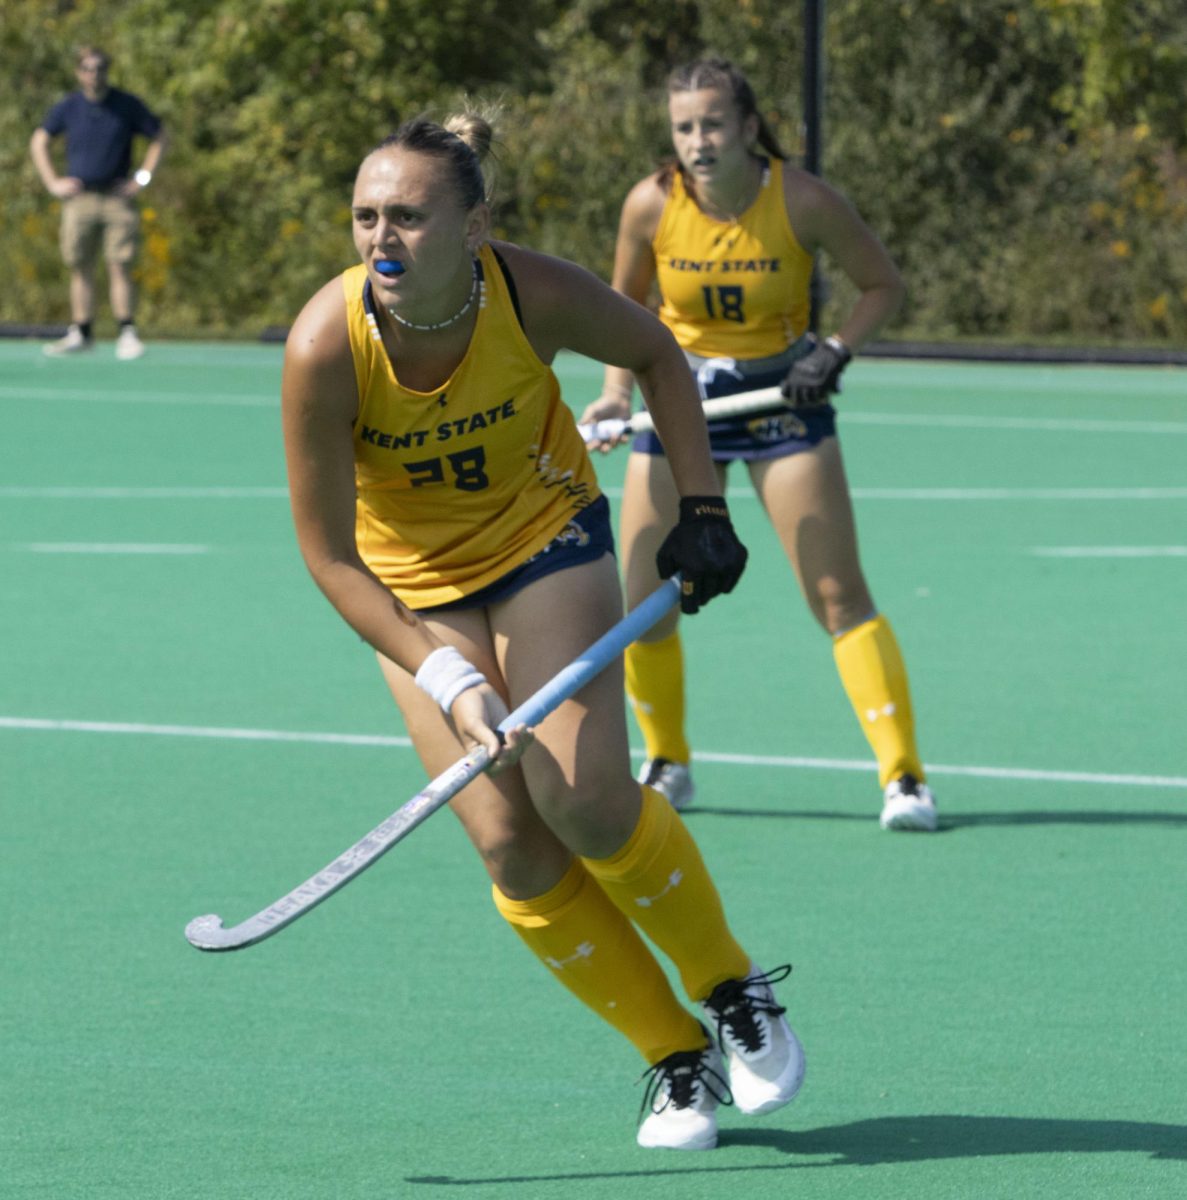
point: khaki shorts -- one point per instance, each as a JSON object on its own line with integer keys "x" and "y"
{"x": 91, "y": 218}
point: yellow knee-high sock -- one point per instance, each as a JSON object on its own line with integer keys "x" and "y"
{"x": 599, "y": 956}
{"x": 655, "y": 688}
{"x": 660, "y": 881}
{"x": 875, "y": 678}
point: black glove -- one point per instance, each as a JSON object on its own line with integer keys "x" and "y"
{"x": 816, "y": 376}
{"x": 704, "y": 549}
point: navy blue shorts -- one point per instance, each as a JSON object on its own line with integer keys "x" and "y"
{"x": 586, "y": 537}
{"x": 752, "y": 439}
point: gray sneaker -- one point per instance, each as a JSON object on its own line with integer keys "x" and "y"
{"x": 672, "y": 780}
{"x": 681, "y": 1101}
{"x": 72, "y": 343}
{"x": 765, "y": 1058}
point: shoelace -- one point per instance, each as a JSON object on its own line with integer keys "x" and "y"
{"x": 737, "y": 1009}
{"x": 678, "y": 1075}
{"x": 655, "y": 771}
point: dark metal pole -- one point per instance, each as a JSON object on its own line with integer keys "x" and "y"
{"x": 813, "y": 124}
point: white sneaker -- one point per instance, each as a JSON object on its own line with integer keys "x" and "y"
{"x": 672, "y": 780}
{"x": 682, "y": 1099}
{"x": 908, "y": 805}
{"x": 128, "y": 345}
{"x": 72, "y": 343}
{"x": 764, "y": 1056}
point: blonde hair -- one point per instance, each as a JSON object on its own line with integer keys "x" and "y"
{"x": 464, "y": 139}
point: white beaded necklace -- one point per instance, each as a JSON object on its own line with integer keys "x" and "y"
{"x": 457, "y": 316}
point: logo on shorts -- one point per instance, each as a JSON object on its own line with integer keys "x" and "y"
{"x": 571, "y": 535}
{"x": 776, "y": 428}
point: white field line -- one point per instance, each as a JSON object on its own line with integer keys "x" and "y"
{"x": 56, "y": 492}
{"x": 47, "y": 725}
{"x": 1119, "y": 384}
{"x": 1037, "y": 493}
{"x": 989, "y": 495}
{"x": 1033, "y": 424}
{"x": 938, "y": 494}
{"x": 221, "y": 733}
{"x": 1109, "y": 551}
{"x": 113, "y": 548}
{"x": 938, "y": 420}
{"x": 97, "y": 396}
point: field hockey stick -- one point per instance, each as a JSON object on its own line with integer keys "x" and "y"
{"x": 208, "y": 933}
{"x": 741, "y": 404}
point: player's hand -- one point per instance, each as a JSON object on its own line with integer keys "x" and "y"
{"x": 476, "y": 714}
{"x": 816, "y": 376}
{"x": 607, "y": 407}
{"x": 704, "y": 549}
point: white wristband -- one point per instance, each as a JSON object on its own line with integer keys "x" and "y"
{"x": 445, "y": 674}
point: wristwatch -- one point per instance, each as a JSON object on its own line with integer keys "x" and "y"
{"x": 143, "y": 177}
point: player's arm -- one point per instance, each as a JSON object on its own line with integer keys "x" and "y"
{"x": 824, "y": 220}
{"x": 634, "y": 275}
{"x": 319, "y": 401}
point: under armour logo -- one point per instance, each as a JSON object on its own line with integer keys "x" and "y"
{"x": 441, "y": 400}
{"x": 708, "y": 371}
{"x": 673, "y": 881}
{"x": 585, "y": 950}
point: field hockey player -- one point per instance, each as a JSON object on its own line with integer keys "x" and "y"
{"x": 446, "y": 506}
{"x": 729, "y": 232}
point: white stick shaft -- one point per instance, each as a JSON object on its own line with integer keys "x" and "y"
{"x": 740, "y": 404}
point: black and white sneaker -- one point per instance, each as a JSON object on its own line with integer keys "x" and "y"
{"x": 681, "y": 1100}
{"x": 908, "y": 804}
{"x": 764, "y": 1056}
{"x": 672, "y": 780}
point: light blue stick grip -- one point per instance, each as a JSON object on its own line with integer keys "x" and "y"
{"x": 596, "y": 659}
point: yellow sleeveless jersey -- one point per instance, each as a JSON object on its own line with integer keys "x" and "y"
{"x": 732, "y": 289}
{"x": 458, "y": 486}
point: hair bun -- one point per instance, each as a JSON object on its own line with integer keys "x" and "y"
{"x": 474, "y": 129}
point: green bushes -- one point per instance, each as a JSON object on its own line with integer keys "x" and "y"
{"x": 1024, "y": 162}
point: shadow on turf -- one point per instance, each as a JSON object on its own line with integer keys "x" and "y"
{"x": 920, "y": 1139}
{"x": 1068, "y": 818}
{"x": 949, "y": 822}
{"x": 887, "y": 1140}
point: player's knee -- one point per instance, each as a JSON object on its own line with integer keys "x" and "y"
{"x": 595, "y": 817}
{"x": 840, "y": 604}
{"x": 517, "y": 863}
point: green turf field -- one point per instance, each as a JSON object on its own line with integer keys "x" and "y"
{"x": 996, "y": 1011}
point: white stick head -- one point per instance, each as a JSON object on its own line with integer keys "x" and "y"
{"x": 203, "y": 932}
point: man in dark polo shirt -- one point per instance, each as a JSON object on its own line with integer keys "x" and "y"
{"x": 98, "y": 194}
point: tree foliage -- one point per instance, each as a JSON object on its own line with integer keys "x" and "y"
{"x": 1025, "y": 163}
